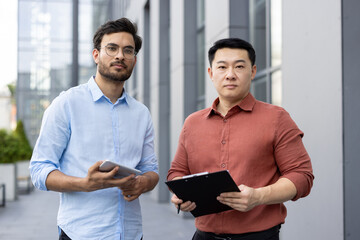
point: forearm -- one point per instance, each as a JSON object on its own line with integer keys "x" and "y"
{"x": 279, "y": 192}
{"x": 59, "y": 182}
{"x": 151, "y": 179}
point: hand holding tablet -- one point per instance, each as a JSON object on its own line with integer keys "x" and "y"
{"x": 123, "y": 171}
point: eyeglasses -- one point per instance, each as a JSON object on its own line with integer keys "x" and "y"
{"x": 112, "y": 50}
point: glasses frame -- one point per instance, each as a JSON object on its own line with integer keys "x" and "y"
{"x": 118, "y": 49}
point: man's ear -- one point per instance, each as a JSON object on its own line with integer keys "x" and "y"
{"x": 210, "y": 72}
{"x": 253, "y": 72}
{"x": 135, "y": 61}
{"x": 96, "y": 55}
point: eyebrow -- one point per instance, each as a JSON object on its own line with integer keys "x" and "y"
{"x": 114, "y": 44}
{"x": 237, "y": 61}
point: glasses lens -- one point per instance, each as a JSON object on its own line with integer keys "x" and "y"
{"x": 129, "y": 53}
{"x": 112, "y": 50}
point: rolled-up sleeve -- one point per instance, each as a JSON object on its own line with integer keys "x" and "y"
{"x": 148, "y": 160}
{"x": 52, "y": 141}
{"x": 179, "y": 166}
{"x": 291, "y": 156}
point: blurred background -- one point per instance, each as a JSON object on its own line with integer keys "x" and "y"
{"x": 307, "y": 61}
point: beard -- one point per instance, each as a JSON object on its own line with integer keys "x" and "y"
{"x": 117, "y": 75}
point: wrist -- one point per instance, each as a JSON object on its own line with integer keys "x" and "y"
{"x": 262, "y": 194}
{"x": 82, "y": 184}
{"x": 144, "y": 183}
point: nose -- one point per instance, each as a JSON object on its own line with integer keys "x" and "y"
{"x": 230, "y": 75}
{"x": 120, "y": 54}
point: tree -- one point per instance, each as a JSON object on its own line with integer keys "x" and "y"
{"x": 14, "y": 146}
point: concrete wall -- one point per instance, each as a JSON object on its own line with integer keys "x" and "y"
{"x": 177, "y": 68}
{"x": 312, "y": 93}
{"x": 5, "y": 109}
{"x": 216, "y": 27}
{"x": 351, "y": 112}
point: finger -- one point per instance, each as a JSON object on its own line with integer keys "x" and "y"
{"x": 229, "y": 203}
{"x": 230, "y": 195}
{"x": 113, "y": 172}
{"x": 130, "y": 198}
{"x": 188, "y": 206}
{"x": 95, "y": 166}
{"x": 131, "y": 192}
{"x": 126, "y": 183}
{"x": 185, "y": 205}
{"x": 176, "y": 200}
{"x": 242, "y": 187}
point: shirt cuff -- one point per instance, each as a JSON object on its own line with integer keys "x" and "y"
{"x": 39, "y": 176}
{"x": 302, "y": 182}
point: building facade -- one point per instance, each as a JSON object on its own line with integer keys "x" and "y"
{"x": 307, "y": 63}
{"x": 5, "y": 109}
{"x": 307, "y": 58}
{"x": 55, "y": 51}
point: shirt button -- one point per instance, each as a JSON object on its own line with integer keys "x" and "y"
{"x": 223, "y": 141}
{"x": 223, "y": 165}
{"x": 225, "y": 120}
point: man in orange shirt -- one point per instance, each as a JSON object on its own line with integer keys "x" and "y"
{"x": 258, "y": 143}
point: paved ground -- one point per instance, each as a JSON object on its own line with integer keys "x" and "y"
{"x": 33, "y": 217}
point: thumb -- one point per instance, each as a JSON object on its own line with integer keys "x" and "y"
{"x": 242, "y": 187}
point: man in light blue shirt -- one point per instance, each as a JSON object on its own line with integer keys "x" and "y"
{"x": 88, "y": 124}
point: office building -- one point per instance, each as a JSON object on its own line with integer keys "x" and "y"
{"x": 307, "y": 58}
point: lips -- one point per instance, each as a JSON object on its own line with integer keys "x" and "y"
{"x": 118, "y": 65}
{"x": 230, "y": 86}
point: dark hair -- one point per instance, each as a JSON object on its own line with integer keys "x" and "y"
{"x": 232, "y": 43}
{"x": 120, "y": 25}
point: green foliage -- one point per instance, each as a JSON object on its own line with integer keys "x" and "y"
{"x": 12, "y": 89}
{"x": 14, "y": 146}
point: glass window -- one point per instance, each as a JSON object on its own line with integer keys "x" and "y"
{"x": 44, "y": 58}
{"x": 276, "y": 32}
{"x": 265, "y": 35}
{"x": 200, "y": 12}
{"x": 259, "y": 89}
{"x": 258, "y": 31}
{"x": 276, "y": 88}
{"x": 87, "y": 28}
{"x": 45, "y": 53}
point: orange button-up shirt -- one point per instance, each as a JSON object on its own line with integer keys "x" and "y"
{"x": 258, "y": 143}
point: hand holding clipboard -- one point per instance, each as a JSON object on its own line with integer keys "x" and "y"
{"x": 202, "y": 189}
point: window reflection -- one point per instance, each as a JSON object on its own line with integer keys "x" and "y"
{"x": 200, "y": 8}
{"x": 258, "y": 31}
{"x": 276, "y": 88}
{"x": 259, "y": 89}
{"x": 266, "y": 37}
{"x": 276, "y": 33}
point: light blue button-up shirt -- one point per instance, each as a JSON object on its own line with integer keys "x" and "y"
{"x": 79, "y": 128}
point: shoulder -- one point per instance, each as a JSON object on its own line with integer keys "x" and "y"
{"x": 264, "y": 106}
{"x": 197, "y": 117}
{"x": 137, "y": 106}
{"x": 270, "y": 110}
{"x": 74, "y": 93}
{"x": 68, "y": 99}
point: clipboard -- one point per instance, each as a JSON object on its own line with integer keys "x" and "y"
{"x": 203, "y": 189}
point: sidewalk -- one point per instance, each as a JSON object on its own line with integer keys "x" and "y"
{"x": 33, "y": 217}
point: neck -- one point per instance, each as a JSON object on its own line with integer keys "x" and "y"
{"x": 225, "y": 105}
{"x": 111, "y": 89}
{"x": 224, "y": 108}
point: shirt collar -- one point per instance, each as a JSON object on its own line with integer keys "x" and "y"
{"x": 97, "y": 93}
{"x": 247, "y": 104}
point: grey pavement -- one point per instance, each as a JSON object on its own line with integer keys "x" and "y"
{"x": 33, "y": 217}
